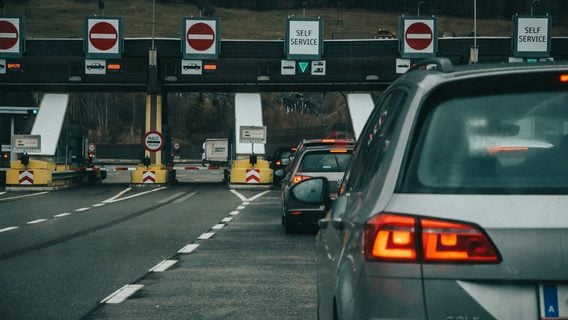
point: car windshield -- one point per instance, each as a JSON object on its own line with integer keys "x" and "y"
{"x": 325, "y": 161}
{"x": 502, "y": 143}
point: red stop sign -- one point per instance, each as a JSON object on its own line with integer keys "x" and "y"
{"x": 418, "y": 36}
{"x": 200, "y": 36}
{"x": 9, "y": 35}
{"x": 103, "y": 36}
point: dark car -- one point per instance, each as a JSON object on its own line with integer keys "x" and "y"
{"x": 280, "y": 160}
{"x": 327, "y": 160}
{"x": 454, "y": 203}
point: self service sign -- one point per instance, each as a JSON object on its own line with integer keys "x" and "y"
{"x": 531, "y": 36}
{"x": 304, "y": 38}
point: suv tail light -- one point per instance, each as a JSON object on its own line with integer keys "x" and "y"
{"x": 392, "y": 237}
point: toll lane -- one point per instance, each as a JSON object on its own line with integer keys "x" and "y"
{"x": 244, "y": 267}
{"x": 64, "y": 266}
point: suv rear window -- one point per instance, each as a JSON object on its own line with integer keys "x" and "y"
{"x": 324, "y": 161}
{"x": 508, "y": 142}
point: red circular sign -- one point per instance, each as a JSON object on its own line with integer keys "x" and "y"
{"x": 103, "y": 36}
{"x": 9, "y": 35}
{"x": 418, "y": 36}
{"x": 200, "y": 36}
{"x": 153, "y": 141}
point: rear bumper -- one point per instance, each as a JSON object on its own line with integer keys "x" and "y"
{"x": 304, "y": 217}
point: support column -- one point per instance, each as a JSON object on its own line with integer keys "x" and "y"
{"x": 154, "y": 172}
{"x": 154, "y": 123}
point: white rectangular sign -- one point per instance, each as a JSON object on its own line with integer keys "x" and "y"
{"x": 191, "y": 67}
{"x": 95, "y": 66}
{"x": 304, "y": 39}
{"x": 252, "y": 134}
{"x": 288, "y": 67}
{"x": 532, "y": 34}
{"x": 26, "y": 143}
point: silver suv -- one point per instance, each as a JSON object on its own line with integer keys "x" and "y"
{"x": 454, "y": 205}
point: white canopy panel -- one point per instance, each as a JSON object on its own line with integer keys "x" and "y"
{"x": 49, "y": 122}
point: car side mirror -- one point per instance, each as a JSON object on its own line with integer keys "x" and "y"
{"x": 279, "y": 173}
{"x": 312, "y": 191}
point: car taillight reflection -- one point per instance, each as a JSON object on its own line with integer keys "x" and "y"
{"x": 298, "y": 178}
{"x": 392, "y": 237}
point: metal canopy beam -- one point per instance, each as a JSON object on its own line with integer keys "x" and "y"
{"x": 58, "y": 65}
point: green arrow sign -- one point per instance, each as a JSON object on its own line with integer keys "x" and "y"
{"x": 303, "y": 66}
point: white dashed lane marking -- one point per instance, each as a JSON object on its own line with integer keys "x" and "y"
{"x": 82, "y": 209}
{"x": 36, "y": 221}
{"x": 8, "y": 229}
{"x": 206, "y": 235}
{"x": 163, "y": 266}
{"x": 122, "y": 294}
{"x": 62, "y": 215}
{"x": 188, "y": 248}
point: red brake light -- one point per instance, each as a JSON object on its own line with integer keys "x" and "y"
{"x": 564, "y": 78}
{"x": 390, "y": 237}
{"x": 454, "y": 242}
{"x": 394, "y": 237}
{"x": 278, "y": 162}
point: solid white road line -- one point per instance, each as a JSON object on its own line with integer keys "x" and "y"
{"x": 258, "y": 195}
{"x": 36, "y": 221}
{"x": 24, "y": 196}
{"x": 188, "y": 248}
{"x": 206, "y": 235}
{"x": 163, "y": 266}
{"x": 235, "y": 192}
{"x": 117, "y": 195}
{"x": 122, "y": 294}
{"x": 8, "y": 229}
{"x": 62, "y": 215}
{"x": 133, "y": 196}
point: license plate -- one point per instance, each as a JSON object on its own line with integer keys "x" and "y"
{"x": 553, "y": 302}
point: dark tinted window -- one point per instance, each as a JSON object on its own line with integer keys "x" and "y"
{"x": 324, "y": 161}
{"x": 375, "y": 141}
{"x": 509, "y": 142}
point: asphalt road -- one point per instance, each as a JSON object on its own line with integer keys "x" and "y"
{"x": 196, "y": 250}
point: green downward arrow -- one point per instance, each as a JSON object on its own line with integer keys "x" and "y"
{"x": 303, "y": 66}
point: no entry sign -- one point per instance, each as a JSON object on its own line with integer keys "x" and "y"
{"x": 11, "y": 38}
{"x": 200, "y": 38}
{"x": 103, "y": 37}
{"x": 418, "y": 37}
